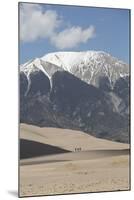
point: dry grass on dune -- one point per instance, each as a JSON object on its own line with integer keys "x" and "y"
{"x": 75, "y": 176}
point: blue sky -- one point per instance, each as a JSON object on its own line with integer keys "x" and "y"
{"x": 49, "y": 28}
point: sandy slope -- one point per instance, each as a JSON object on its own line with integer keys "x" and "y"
{"x": 73, "y": 156}
{"x": 67, "y": 139}
{"x": 102, "y": 165}
{"x": 107, "y": 174}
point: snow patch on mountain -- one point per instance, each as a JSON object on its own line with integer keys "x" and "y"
{"x": 36, "y": 65}
{"x": 89, "y": 64}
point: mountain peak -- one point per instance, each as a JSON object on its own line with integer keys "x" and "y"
{"x": 68, "y": 59}
{"x": 88, "y": 66}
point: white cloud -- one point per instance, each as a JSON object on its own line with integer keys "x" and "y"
{"x": 72, "y": 37}
{"x": 34, "y": 23}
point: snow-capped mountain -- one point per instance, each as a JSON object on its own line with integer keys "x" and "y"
{"x": 89, "y": 66}
{"x": 86, "y": 91}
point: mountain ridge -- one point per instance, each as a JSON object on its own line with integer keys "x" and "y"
{"x": 51, "y": 95}
{"x": 87, "y": 65}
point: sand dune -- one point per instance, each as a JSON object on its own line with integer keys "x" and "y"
{"x": 105, "y": 174}
{"x": 67, "y": 139}
{"x": 101, "y": 165}
{"x": 84, "y": 155}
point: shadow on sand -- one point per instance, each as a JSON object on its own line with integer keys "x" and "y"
{"x": 29, "y": 149}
